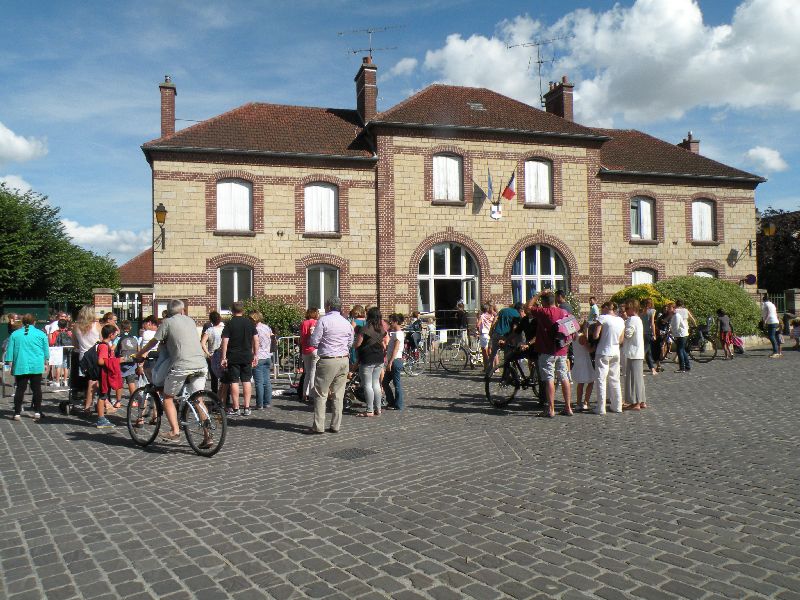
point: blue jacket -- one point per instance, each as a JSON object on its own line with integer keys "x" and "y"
{"x": 28, "y": 351}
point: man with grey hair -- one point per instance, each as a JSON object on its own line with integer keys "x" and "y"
{"x": 332, "y": 337}
{"x": 188, "y": 363}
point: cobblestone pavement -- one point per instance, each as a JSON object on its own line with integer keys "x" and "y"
{"x": 696, "y": 497}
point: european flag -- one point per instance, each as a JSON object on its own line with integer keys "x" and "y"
{"x": 489, "y": 190}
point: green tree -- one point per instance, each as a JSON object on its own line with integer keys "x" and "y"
{"x": 37, "y": 258}
{"x": 779, "y": 253}
{"x": 282, "y": 316}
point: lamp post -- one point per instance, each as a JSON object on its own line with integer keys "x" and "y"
{"x": 161, "y": 218}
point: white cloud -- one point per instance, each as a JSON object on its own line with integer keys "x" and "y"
{"x": 653, "y": 60}
{"x": 15, "y": 148}
{"x": 404, "y": 67}
{"x": 121, "y": 244}
{"x": 15, "y": 182}
{"x": 766, "y": 159}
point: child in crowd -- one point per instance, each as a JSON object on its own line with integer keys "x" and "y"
{"x": 796, "y": 333}
{"x": 394, "y": 363}
{"x": 583, "y": 368}
{"x": 62, "y": 337}
{"x": 110, "y": 374}
{"x": 127, "y": 346}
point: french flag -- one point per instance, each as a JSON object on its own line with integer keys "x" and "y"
{"x": 511, "y": 188}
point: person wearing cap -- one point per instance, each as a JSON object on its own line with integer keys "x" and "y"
{"x": 332, "y": 337}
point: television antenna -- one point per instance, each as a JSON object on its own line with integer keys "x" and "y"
{"x": 539, "y": 60}
{"x": 369, "y": 31}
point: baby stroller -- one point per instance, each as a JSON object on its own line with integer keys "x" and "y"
{"x": 353, "y": 392}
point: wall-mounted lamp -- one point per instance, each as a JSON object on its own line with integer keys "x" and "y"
{"x": 161, "y": 218}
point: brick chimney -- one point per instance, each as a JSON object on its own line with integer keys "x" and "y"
{"x": 558, "y": 100}
{"x": 367, "y": 90}
{"x": 690, "y": 144}
{"x": 168, "y": 93}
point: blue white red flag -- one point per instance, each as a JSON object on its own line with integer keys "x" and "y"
{"x": 511, "y": 188}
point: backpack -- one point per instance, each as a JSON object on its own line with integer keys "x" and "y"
{"x": 127, "y": 345}
{"x": 61, "y": 337}
{"x": 89, "y": 365}
{"x": 566, "y": 330}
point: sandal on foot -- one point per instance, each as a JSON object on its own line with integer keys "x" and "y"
{"x": 365, "y": 414}
{"x": 139, "y": 423}
{"x": 547, "y": 415}
{"x": 566, "y": 413}
{"x": 171, "y": 437}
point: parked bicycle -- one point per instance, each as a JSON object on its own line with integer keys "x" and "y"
{"x": 459, "y": 355}
{"x": 200, "y": 415}
{"x": 505, "y": 381}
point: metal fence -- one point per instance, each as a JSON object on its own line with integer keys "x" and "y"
{"x": 288, "y": 359}
{"x": 779, "y": 300}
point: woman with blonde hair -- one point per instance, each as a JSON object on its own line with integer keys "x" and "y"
{"x": 86, "y": 333}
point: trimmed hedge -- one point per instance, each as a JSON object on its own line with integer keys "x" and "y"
{"x": 703, "y": 296}
{"x": 283, "y": 317}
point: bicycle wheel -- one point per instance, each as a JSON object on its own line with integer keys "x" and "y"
{"x": 413, "y": 363}
{"x": 143, "y": 416}
{"x": 703, "y": 351}
{"x": 502, "y": 387}
{"x": 453, "y": 358}
{"x": 204, "y": 422}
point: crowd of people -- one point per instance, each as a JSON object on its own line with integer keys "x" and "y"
{"x": 605, "y": 354}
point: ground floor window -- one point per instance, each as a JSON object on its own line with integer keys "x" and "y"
{"x": 640, "y": 276}
{"x": 235, "y": 284}
{"x": 537, "y": 268}
{"x": 447, "y": 275}
{"x": 322, "y": 283}
{"x": 711, "y": 273}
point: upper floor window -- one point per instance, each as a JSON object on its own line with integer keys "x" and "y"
{"x": 703, "y": 221}
{"x": 538, "y": 182}
{"x": 448, "y": 177}
{"x": 321, "y": 208}
{"x": 640, "y": 276}
{"x": 642, "y": 219}
{"x": 235, "y": 283}
{"x": 234, "y": 205}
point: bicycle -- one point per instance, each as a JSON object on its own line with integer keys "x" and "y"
{"x": 414, "y": 360}
{"x": 701, "y": 345}
{"x": 503, "y": 384}
{"x": 456, "y": 356}
{"x": 200, "y": 415}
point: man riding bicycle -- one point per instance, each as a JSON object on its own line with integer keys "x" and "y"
{"x": 187, "y": 366}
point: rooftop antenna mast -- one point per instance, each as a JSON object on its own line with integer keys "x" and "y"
{"x": 369, "y": 31}
{"x": 539, "y": 60}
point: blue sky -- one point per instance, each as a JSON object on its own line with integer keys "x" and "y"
{"x": 80, "y": 95}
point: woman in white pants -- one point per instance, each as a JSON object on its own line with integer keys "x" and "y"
{"x": 633, "y": 350}
{"x": 607, "y": 355}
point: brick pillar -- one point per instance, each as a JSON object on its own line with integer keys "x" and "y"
{"x": 558, "y": 100}
{"x": 367, "y": 90}
{"x": 103, "y": 300}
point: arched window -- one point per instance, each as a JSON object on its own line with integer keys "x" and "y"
{"x": 640, "y": 276}
{"x": 235, "y": 283}
{"x": 234, "y": 205}
{"x": 704, "y": 220}
{"x": 710, "y": 273}
{"x": 642, "y": 219}
{"x": 448, "y": 178}
{"x": 321, "y": 208}
{"x": 537, "y": 268}
{"x": 322, "y": 283}
{"x": 447, "y": 273}
{"x": 538, "y": 182}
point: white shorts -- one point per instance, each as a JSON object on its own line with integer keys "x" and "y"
{"x": 195, "y": 379}
{"x": 484, "y": 340}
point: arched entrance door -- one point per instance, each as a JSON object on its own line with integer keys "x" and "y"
{"x": 447, "y": 274}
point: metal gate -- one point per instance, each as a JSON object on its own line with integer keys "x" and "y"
{"x": 128, "y": 306}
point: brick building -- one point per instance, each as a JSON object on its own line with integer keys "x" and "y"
{"x": 392, "y": 207}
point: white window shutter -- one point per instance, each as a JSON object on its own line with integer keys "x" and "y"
{"x": 440, "y": 178}
{"x": 224, "y": 208}
{"x": 453, "y": 178}
{"x": 447, "y": 178}
{"x": 646, "y": 212}
{"x": 234, "y": 202}
{"x": 702, "y": 221}
{"x": 537, "y": 182}
{"x": 640, "y": 276}
{"x": 321, "y": 208}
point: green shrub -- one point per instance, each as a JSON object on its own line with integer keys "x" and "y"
{"x": 641, "y": 292}
{"x": 283, "y": 317}
{"x": 704, "y": 295}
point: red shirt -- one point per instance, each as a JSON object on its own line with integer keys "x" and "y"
{"x": 546, "y": 318}
{"x": 306, "y": 329}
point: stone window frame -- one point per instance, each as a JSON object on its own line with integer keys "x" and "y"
{"x": 214, "y": 263}
{"x": 343, "y": 197}
{"x": 658, "y": 218}
{"x": 556, "y": 193}
{"x": 331, "y": 260}
{"x": 652, "y": 265}
{"x": 466, "y": 175}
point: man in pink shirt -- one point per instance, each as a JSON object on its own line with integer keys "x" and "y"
{"x": 552, "y": 360}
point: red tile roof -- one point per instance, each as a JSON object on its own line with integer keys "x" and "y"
{"x": 138, "y": 271}
{"x": 632, "y": 151}
{"x": 478, "y": 108}
{"x": 274, "y": 128}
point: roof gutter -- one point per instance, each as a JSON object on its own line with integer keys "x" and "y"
{"x": 571, "y": 136}
{"x": 753, "y": 179}
{"x": 227, "y": 151}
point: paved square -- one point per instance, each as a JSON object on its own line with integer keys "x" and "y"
{"x": 696, "y": 497}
